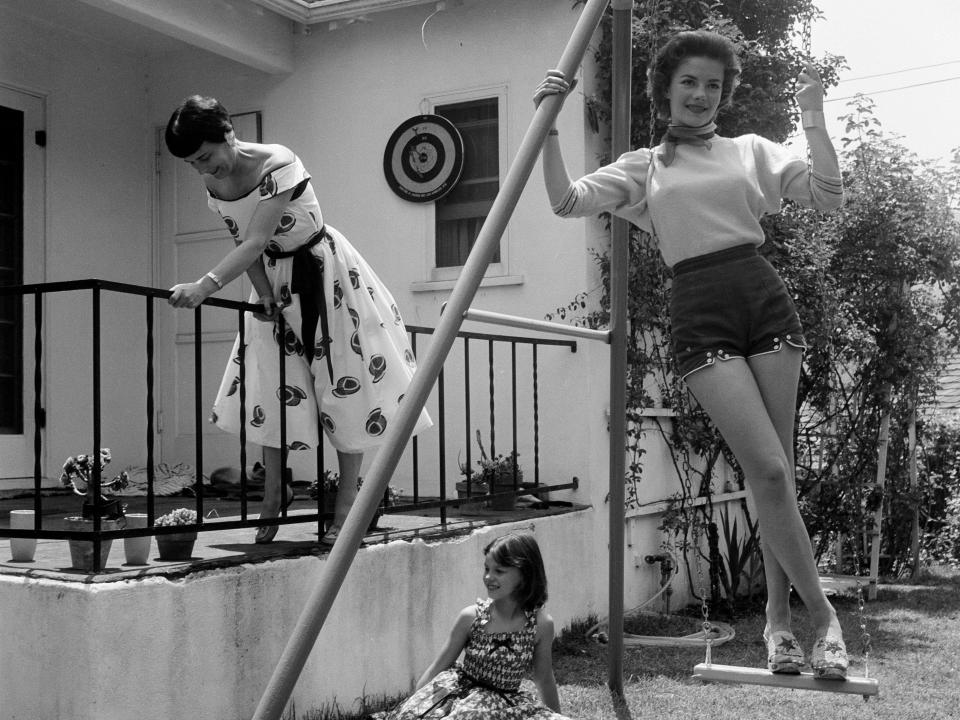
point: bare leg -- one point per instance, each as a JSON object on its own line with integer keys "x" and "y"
{"x": 273, "y": 495}
{"x": 734, "y": 399}
{"x": 347, "y": 489}
{"x": 271, "y": 484}
{"x": 777, "y": 376}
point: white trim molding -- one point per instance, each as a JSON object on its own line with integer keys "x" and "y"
{"x": 310, "y": 12}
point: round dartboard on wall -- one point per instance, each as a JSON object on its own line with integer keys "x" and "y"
{"x": 423, "y": 158}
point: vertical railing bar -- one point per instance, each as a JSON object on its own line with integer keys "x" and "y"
{"x": 536, "y": 419}
{"x": 416, "y": 445}
{"x": 490, "y": 388}
{"x": 321, "y": 489}
{"x": 150, "y": 411}
{"x": 321, "y": 472}
{"x": 37, "y": 408}
{"x": 242, "y": 374}
{"x": 442, "y": 437}
{"x": 281, "y": 343}
{"x": 198, "y": 407}
{"x": 466, "y": 412}
{"x": 513, "y": 409}
{"x": 95, "y": 475}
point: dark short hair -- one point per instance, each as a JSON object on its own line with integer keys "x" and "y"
{"x": 196, "y": 120}
{"x": 687, "y": 44}
{"x": 520, "y": 550}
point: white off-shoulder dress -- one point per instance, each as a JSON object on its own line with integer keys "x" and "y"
{"x": 348, "y": 360}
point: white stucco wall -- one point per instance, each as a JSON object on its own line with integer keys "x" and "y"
{"x": 206, "y": 645}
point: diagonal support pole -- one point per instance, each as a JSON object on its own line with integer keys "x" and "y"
{"x": 318, "y": 605}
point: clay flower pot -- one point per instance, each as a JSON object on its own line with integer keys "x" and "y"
{"x": 176, "y": 546}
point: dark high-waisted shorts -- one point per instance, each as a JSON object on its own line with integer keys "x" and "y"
{"x": 729, "y": 304}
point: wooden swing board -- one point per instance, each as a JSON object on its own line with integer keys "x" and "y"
{"x": 803, "y": 681}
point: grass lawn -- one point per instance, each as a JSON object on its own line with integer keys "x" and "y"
{"x": 915, "y": 655}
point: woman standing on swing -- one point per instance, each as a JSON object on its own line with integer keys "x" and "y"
{"x": 736, "y": 336}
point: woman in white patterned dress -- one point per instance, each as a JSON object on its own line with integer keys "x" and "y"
{"x": 348, "y": 360}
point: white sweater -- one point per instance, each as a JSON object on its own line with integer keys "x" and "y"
{"x": 708, "y": 199}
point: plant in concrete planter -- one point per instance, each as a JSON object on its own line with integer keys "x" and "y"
{"x": 497, "y": 473}
{"x": 77, "y": 474}
{"x": 177, "y": 546}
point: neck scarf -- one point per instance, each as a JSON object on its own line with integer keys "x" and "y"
{"x": 681, "y": 134}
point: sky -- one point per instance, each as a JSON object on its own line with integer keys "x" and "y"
{"x": 893, "y": 39}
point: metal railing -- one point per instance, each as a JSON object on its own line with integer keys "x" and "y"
{"x": 422, "y": 497}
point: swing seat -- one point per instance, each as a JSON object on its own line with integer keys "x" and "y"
{"x": 804, "y": 681}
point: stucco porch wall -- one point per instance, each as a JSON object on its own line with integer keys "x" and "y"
{"x": 206, "y": 644}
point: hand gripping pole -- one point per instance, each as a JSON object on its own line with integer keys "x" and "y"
{"x": 338, "y": 562}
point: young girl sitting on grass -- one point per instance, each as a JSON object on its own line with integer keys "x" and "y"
{"x": 504, "y": 638}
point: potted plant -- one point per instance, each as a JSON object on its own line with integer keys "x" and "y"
{"x": 471, "y": 487}
{"x": 496, "y": 474}
{"x": 77, "y": 474}
{"x": 331, "y": 483}
{"x": 177, "y": 546}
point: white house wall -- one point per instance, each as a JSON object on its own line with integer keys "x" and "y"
{"x": 98, "y": 207}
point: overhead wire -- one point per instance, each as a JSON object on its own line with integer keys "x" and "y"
{"x": 895, "y": 89}
{"x": 899, "y": 72}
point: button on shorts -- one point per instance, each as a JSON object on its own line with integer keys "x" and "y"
{"x": 729, "y": 304}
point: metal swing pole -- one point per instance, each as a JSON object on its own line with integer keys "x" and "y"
{"x": 338, "y": 562}
{"x": 619, "y": 267}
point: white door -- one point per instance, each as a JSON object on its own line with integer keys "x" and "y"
{"x": 192, "y": 239}
{"x": 21, "y": 261}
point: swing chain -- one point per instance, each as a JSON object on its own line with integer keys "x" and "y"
{"x": 865, "y": 638}
{"x": 706, "y": 625}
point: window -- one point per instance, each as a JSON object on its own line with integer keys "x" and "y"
{"x": 460, "y": 213}
{"x": 11, "y": 270}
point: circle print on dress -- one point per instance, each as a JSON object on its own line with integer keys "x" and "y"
{"x": 423, "y": 158}
{"x": 328, "y": 424}
{"x": 376, "y": 422}
{"x": 347, "y": 385}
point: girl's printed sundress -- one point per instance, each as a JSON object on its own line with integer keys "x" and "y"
{"x": 348, "y": 360}
{"x": 486, "y": 685}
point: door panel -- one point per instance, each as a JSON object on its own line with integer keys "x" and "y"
{"x": 26, "y": 254}
{"x": 192, "y": 240}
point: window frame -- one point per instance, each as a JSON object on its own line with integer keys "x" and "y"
{"x": 442, "y": 278}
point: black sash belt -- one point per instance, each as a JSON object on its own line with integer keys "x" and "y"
{"x": 307, "y": 282}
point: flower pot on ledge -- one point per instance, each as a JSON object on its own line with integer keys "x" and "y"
{"x": 137, "y": 549}
{"x": 477, "y": 490}
{"x": 81, "y": 551}
{"x": 176, "y": 546}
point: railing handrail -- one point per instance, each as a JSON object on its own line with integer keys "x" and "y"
{"x": 97, "y": 283}
{"x": 147, "y": 291}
